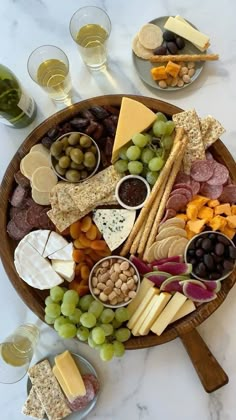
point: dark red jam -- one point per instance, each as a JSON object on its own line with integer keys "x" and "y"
{"x": 132, "y": 192}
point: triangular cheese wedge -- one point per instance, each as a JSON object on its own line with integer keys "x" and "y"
{"x": 55, "y": 243}
{"x": 65, "y": 269}
{"x": 134, "y": 118}
{"x": 64, "y": 254}
{"x": 38, "y": 239}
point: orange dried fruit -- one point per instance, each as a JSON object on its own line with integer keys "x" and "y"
{"x": 99, "y": 235}
{"x": 75, "y": 229}
{"x": 92, "y": 233}
{"x": 78, "y": 255}
{"x": 84, "y": 273}
{"x": 86, "y": 223}
{"x": 98, "y": 245}
{"x": 89, "y": 261}
{"x": 104, "y": 253}
{"x": 94, "y": 256}
{"x": 81, "y": 289}
{"x": 84, "y": 241}
{"x": 78, "y": 244}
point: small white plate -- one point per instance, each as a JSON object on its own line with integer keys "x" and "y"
{"x": 85, "y": 367}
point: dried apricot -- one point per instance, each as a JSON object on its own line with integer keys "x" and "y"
{"x": 94, "y": 256}
{"x": 78, "y": 245}
{"x": 78, "y": 255}
{"x": 85, "y": 271}
{"x": 92, "y": 233}
{"x": 99, "y": 235}
{"x": 98, "y": 245}
{"x": 104, "y": 253}
{"x": 78, "y": 268}
{"x": 75, "y": 230}
{"x": 84, "y": 241}
{"x": 81, "y": 289}
{"x": 89, "y": 261}
{"x": 86, "y": 223}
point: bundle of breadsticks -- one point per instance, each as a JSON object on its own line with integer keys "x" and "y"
{"x": 146, "y": 226}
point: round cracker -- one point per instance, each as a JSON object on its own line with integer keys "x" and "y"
{"x": 41, "y": 198}
{"x": 175, "y": 221}
{"x": 165, "y": 245}
{"x": 171, "y": 231}
{"x": 44, "y": 179}
{"x": 150, "y": 36}
{"x": 140, "y": 50}
{"x": 150, "y": 253}
{"x": 32, "y": 161}
{"x": 178, "y": 247}
{"x": 40, "y": 148}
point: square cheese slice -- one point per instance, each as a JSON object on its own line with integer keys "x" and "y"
{"x": 168, "y": 313}
{"x": 147, "y": 298}
{"x": 160, "y": 302}
{"x": 143, "y": 289}
{"x": 186, "y": 309}
{"x": 70, "y": 373}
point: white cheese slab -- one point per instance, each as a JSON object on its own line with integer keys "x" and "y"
{"x": 55, "y": 243}
{"x": 65, "y": 269}
{"x": 64, "y": 254}
{"x": 38, "y": 239}
{"x": 114, "y": 224}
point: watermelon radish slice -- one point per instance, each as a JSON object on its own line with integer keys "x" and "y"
{"x": 173, "y": 284}
{"x": 197, "y": 293}
{"x": 212, "y": 285}
{"x": 176, "y": 258}
{"x": 141, "y": 266}
{"x": 157, "y": 277}
{"x": 174, "y": 268}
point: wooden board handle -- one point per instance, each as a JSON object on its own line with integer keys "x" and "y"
{"x": 210, "y": 373}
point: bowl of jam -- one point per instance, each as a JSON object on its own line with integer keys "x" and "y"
{"x": 132, "y": 192}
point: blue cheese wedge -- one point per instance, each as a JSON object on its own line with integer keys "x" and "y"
{"x": 114, "y": 224}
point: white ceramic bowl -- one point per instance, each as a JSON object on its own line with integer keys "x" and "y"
{"x": 98, "y": 157}
{"x": 114, "y": 257}
{"x": 119, "y": 185}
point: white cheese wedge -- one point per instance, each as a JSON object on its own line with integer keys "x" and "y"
{"x": 187, "y": 32}
{"x": 65, "y": 269}
{"x": 159, "y": 302}
{"x": 147, "y": 310}
{"x": 114, "y": 224}
{"x": 143, "y": 289}
{"x": 147, "y": 298}
{"x": 168, "y": 313}
{"x": 188, "y": 24}
{"x": 186, "y": 309}
{"x": 64, "y": 254}
{"x": 55, "y": 243}
{"x": 38, "y": 239}
{"x": 33, "y": 268}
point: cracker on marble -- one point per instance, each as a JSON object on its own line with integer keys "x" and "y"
{"x": 33, "y": 406}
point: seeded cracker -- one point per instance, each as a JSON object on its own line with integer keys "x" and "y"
{"x": 205, "y": 124}
{"x": 195, "y": 148}
{"x": 33, "y": 406}
{"x": 49, "y": 391}
{"x": 213, "y": 133}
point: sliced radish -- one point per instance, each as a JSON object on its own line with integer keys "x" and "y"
{"x": 213, "y": 285}
{"x": 141, "y": 266}
{"x": 176, "y": 258}
{"x": 157, "y": 277}
{"x": 173, "y": 284}
{"x": 174, "y": 268}
{"x": 197, "y": 293}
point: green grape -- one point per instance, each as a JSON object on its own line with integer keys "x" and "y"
{"x": 122, "y": 153}
{"x": 135, "y": 167}
{"x": 53, "y": 310}
{"x": 56, "y": 293}
{"x": 156, "y": 163}
{"x": 48, "y": 300}
{"x": 122, "y": 334}
{"x": 88, "y": 320}
{"x": 85, "y": 302}
{"x": 140, "y": 140}
{"x": 133, "y": 152}
{"x": 116, "y": 324}
{"x": 147, "y": 155}
{"x": 144, "y": 171}
{"x": 98, "y": 335}
{"x": 108, "y": 329}
{"x": 106, "y": 352}
{"x": 67, "y": 309}
{"x": 75, "y": 317}
{"x": 159, "y": 128}
{"x": 82, "y": 333}
{"x": 160, "y": 117}
{"x": 96, "y": 308}
{"x": 151, "y": 177}
{"x": 67, "y": 331}
{"x": 170, "y": 126}
{"x": 148, "y": 137}
{"x": 71, "y": 296}
{"x": 122, "y": 314}
{"x": 107, "y": 316}
{"x": 61, "y": 320}
{"x": 91, "y": 342}
{"x": 49, "y": 320}
{"x": 121, "y": 166}
{"x": 167, "y": 142}
{"x": 119, "y": 348}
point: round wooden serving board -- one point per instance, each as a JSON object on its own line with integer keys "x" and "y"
{"x": 34, "y": 298}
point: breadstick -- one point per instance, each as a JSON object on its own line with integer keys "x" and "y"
{"x": 183, "y": 57}
{"x": 163, "y": 175}
{"x": 169, "y": 185}
{"x": 136, "y": 242}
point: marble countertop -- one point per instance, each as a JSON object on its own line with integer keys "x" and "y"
{"x": 159, "y": 382}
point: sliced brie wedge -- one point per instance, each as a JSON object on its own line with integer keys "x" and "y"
{"x": 55, "y": 243}
{"x": 64, "y": 254}
{"x": 65, "y": 269}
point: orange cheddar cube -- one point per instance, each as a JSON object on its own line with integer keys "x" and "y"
{"x": 182, "y": 216}
{"x": 233, "y": 209}
{"x": 231, "y": 221}
{"x": 213, "y": 203}
{"x": 205, "y": 213}
{"x": 159, "y": 73}
{"x": 190, "y": 234}
{"x": 192, "y": 211}
{"x": 218, "y": 223}
{"x": 196, "y": 226}
{"x": 223, "y": 209}
{"x": 199, "y": 201}
{"x": 173, "y": 68}
{"x": 228, "y": 232}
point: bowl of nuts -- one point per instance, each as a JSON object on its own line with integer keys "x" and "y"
{"x": 75, "y": 157}
{"x": 114, "y": 281}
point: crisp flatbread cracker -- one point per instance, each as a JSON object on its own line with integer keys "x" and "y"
{"x": 33, "y": 406}
{"x": 49, "y": 391}
{"x": 213, "y": 133}
{"x": 205, "y": 124}
{"x": 195, "y": 148}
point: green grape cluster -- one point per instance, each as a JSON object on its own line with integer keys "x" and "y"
{"x": 88, "y": 320}
{"x": 142, "y": 156}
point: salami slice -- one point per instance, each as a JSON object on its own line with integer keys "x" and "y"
{"x": 20, "y": 220}
{"x": 182, "y": 178}
{"x": 44, "y": 221}
{"x": 183, "y": 191}
{"x": 93, "y": 380}
{"x": 22, "y": 180}
{"x": 18, "y": 196}
{"x": 13, "y": 211}
{"x": 185, "y": 186}
{"x": 14, "y": 232}
{"x": 201, "y": 170}
{"x": 229, "y": 194}
{"x": 211, "y": 191}
{"x": 82, "y": 402}
{"x": 168, "y": 215}
{"x": 177, "y": 202}
{"x": 195, "y": 185}
{"x": 220, "y": 175}
{"x": 33, "y": 214}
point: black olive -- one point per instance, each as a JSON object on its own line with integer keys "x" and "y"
{"x": 199, "y": 252}
{"x": 198, "y": 243}
{"x": 191, "y": 252}
{"x": 214, "y": 276}
{"x": 206, "y": 244}
{"x": 53, "y": 133}
{"x": 169, "y": 36}
{"x": 228, "y": 265}
{"x": 172, "y": 47}
{"x": 219, "y": 249}
{"x": 180, "y": 42}
{"x": 208, "y": 261}
{"x": 47, "y": 142}
{"x": 160, "y": 50}
{"x": 200, "y": 270}
{"x": 212, "y": 236}
{"x": 223, "y": 240}
{"x": 232, "y": 252}
{"x": 193, "y": 261}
